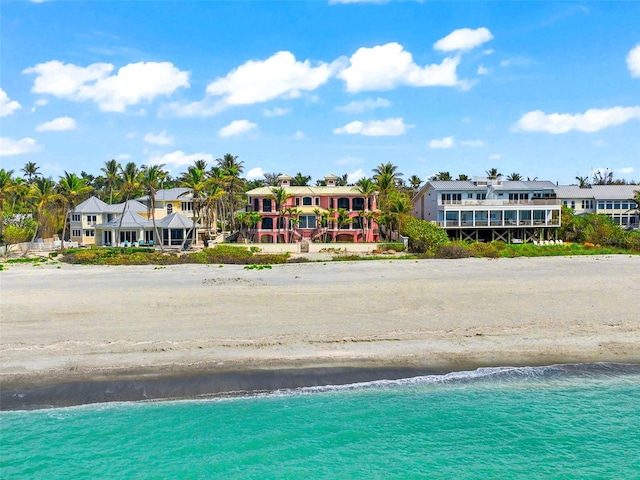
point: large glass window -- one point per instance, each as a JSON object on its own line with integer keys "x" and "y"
{"x": 267, "y": 223}
{"x": 307, "y": 201}
{"x": 266, "y": 204}
{"x": 343, "y": 203}
{"x": 358, "y": 203}
{"x": 307, "y": 221}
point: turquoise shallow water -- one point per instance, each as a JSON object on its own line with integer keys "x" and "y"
{"x": 546, "y": 422}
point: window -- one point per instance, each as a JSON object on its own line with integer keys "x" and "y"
{"x": 331, "y": 204}
{"x": 297, "y": 201}
{"x": 75, "y": 217}
{"x": 76, "y": 233}
{"x": 89, "y": 233}
{"x": 267, "y": 223}
{"x": 469, "y": 195}
{"x": 564, "y": 202}
{"x": 256, "y": 205}
{"x": 169, "y": 208}
{"x": 186, "y": 206}
{"x": 573, "y": 204}
{"x": 600, "y": 205}
{"x": 307, "y": 201}
{"x": 317, "y": 201}
{"x": 266, "y": 204}
{"x": 481, "y": 196}
{"x": 587, "y": 204}
{"x": 451, "y": 197}
{"x": 609, "y": 205}
{"x": 91, "y": 219}
{"x": 307, "y": 221}
{"x": 358, "y": 203}
{"x": 616, "y": 205}
{"x": 343, "y": 203}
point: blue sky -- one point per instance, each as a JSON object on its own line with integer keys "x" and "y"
{"x": 547, "y": 89}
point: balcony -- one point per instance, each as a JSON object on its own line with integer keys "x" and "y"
{"x": 496, "y": 223}
{"x": 498, "y": 203}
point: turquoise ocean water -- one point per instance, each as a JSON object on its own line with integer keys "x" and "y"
{"x": 562, "y": 422}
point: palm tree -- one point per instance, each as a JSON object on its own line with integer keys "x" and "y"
{"x": 293, "y": 219}
{"x": 231, "y": 170}
{"x": 493, "y": 174}
{"x": 462, "y": 177}
{"x": 151, "y": 180}
{"x": 7, "y": 187}
{"x": 603, "y": 177}
{"x": 195, "y": 181}
{"x": 442, "y": 176}
{"x": 72, "y": 189}
{"x": 387, "y": 168}
{"x": 514, "y": 177}
{"x": 368, "y": 189}
{"x": 343, "y": 218}
{"x": 111, "y": 170}
{"x": 280, "y": 195}
{"x": 300, "y": 180}
{"x": 415, "y": 182}
{"x": 43, "y": 193}
{"x": 583, "y": 182}
{"x": 129, "y": 188}
{"x": 212, "y": 204}
{"x": 31, "y": 171}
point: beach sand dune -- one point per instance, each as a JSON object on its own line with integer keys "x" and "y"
{"x": 89, "y": 324}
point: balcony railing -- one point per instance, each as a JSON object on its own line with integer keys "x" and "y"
{"x": 508, "y": 223}
{"x": 497, "y": 203}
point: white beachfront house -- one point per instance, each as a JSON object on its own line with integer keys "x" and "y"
{"x": 94, "y": 222}
{"x": 491, "y": 209}
{"x": 615, "y": 201}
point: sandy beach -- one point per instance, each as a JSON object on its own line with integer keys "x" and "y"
{"x": 227, "y": 328}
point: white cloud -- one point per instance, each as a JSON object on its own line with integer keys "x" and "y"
{"x": 472, "y": 143}
{"x": 446, "y": 142}
{"x": 365, "y": 105}
{"x": 7, "y": 106}
{"x": 276, "y": 112}
{"x": 593, "y": 120}
{"x": 495, "y": 156}
{"x": 299, "y": 135}
{"x": 179, "y": 159}
{"x": 237, "y": 127}
{"x": 463, "y": 39}
{"x": 384, "y": 67}
{"x": 626, "y": 170}
{"x": 132, "y": 84}
{"x": 353, "y": 177}
{"x": 280, "y": 76}
{"x": 255, "y": 173}
{"x": 375, "y": 128}
{"x": 483, "y": 71}
{"x": 9, "y": 146}
{"x": 159, "y": 139}
{"x": 349, "y": 161}
{"x": 131, "y": 135}
{"x": 123, "y": 156}
{"x": 41, "y": 102}
{"x": 633, "y": 61}
{"x": 488, "y": 51}
{"x": 600, "y": 143}
{"x": 57, "y": 125}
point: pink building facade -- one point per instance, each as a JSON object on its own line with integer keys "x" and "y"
{"x": 328, "y": 213}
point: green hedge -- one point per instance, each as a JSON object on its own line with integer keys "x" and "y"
{"x": 424, "y": 237}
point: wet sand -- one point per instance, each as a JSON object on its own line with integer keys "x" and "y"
{"x": 79, "y": 334}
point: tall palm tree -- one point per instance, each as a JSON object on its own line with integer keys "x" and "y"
{"x": 443, "y": 176}
{"x": 493, "y": 174}
{"x": 31, "y": 171}
{"x": 300, "y": 180}
{"x": 111, "y": 171}
{"x": 231, "y": 170}
{"x": 514, "y": 177}
{"x": 43, "y": 193}
{"x": 415, "y": 182}
{"x": 280, "y": 195}
{"x": 130, "y": 187}
{"x": 603, "y": 177}
{"x": 368, "y": 189}
{"x": 151, "y": 180}
{"x": 195, "y": 181}
{"x": 387, "y": 168}
{"x": 583, "y": 182}
{"x": 72, "y": 189}
{"x": 7, "y": 188}
{"x": 463, "y": 176}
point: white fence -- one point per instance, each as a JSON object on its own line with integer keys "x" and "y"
{"x": 35, "y": 247}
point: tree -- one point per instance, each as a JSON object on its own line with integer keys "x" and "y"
{"x": 603, "y": 177}
{"x": 414, "y": 182}
{"x": 462, "y": 176}
{"x": 31, "y": 171}
{"x": 280, "y": 196}
{"x": 195, "y": 181}
{"x": 231, "y": 170}
{"x": 271, "y": 179}
{"x": 493, "y": 174}
{"x": 130, "y": 187}
{"x": 151, "y": 180}
{"x": 368, "y": 189}
{"x": 111, "y": 170}
{"x": 387, "y": 168}
{"x": 300, "y": 180}
{"x": 43, "y": 193}
{"x": 442, "y": 176}
{"x": 72, "y": 189}
{"x": 7, "y": 187}
{"x": 514, "y": 177}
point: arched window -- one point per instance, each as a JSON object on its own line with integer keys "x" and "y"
{"x": 358, "y": 204}
{"x": 307, "y": 201}
{"x": 169, "y": 208}
{"x": 267, "y": 224}
{"x": 343, "y": 203}
{"x": 266, "y": 204}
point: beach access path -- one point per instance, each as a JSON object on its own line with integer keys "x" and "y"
{"x": 87, "y": 323}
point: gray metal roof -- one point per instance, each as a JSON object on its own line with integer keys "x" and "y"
{"x": 129, "y": 220}
{"x": 597, "y": 192}
{"x": 505, "y": 185}
{"x": 170, "y": 194}
{"x": 91, "y": 205}
{"x": 132, "y": 205}
{"x": 175, "y": 220}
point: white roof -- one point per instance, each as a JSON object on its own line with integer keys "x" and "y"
{"x": 597, "y": 192}
{"x": 91, "y": 205}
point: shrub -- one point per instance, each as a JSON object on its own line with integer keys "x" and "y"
{"x": 488, "y": 250}
{"x": 424, "y": 237}
{"x": 397, "y": 246}
{"x": 453, "y": 250}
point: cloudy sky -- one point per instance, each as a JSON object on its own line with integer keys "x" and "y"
{"x": 547, "y": 89}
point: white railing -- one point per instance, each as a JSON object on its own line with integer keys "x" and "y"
{"x": 535, "y": 201}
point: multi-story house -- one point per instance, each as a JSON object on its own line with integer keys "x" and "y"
{"x": 491, "y": 209}
{"x": 314, "y": 213}
{"x": 615, "y": 201}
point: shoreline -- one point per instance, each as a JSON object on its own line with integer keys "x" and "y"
{"x": 206, "y": 329}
